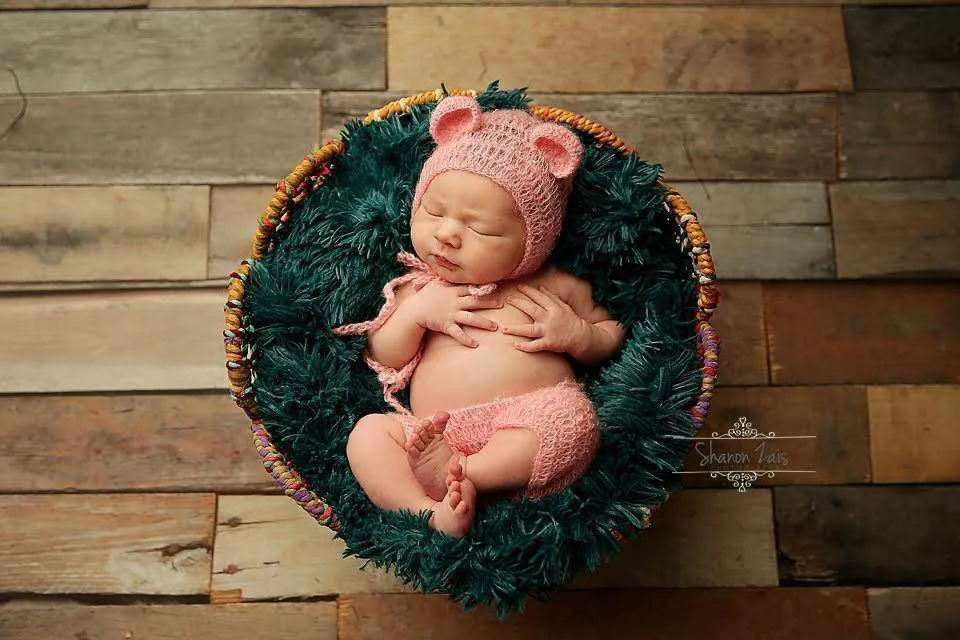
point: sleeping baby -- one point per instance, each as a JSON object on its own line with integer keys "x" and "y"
{"x": 481, "y": 328}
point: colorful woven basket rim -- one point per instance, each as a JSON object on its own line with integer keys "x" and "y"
{"x": 311, "y": 173}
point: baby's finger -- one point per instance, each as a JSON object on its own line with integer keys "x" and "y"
{"x": 474, "y": 320}
{"x": 525, "y": 330}
{"x": 454, "y": 331}
{"x": 481, "y": 302}
{"x": 527, "y": 306}
{"x": 553, "y": 296}
{"x": 536, "y": 295}
{"x": 533, "y": 346}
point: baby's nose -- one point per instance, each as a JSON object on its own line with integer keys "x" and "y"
{"x": 449, "y": 236}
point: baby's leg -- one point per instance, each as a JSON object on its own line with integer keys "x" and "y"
{"x": 376, "y": 451}
{"x": 505, "y": 462}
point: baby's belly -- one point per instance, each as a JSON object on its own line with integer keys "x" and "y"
{"x": 451, "y": 376}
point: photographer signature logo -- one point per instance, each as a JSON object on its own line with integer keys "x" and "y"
{"x": 763, "y": 459}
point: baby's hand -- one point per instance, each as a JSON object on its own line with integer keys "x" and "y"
{"x": 555, "y": 327}
{"x": 443, "y": 308}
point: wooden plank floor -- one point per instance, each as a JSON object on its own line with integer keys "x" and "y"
{"x": 818, "y": 142}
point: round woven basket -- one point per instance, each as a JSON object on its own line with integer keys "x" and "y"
{"x": 311, "y": 175}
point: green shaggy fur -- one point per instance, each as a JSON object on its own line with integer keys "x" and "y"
{"x": 329, "y": 265}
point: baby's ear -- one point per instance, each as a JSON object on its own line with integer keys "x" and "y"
{"x": 560, "y": 147}
{"x": 454, "y": 115}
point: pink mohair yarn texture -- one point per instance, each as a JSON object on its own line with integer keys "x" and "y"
{"x": 533, "y": 161}
{"x": 562, "y": 417}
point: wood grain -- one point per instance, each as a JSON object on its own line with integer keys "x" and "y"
{"x": 913, "y": 435}
{"x": 837, "y": 417}
{"x": 876, "y": 535}
{"x": 683, "y": 49}
{"x": 216, "y": 4}
{"x": 128, "y": 443}
{"x": 900, "y": 135}
{"x": 302, "y": 559}
{"x": 158, "y": 138}
{"x": 903, "y": 47}
{"x": 315, "y": 620}
{"x": 720, "y": 137}
{"x": 234, "y": 215}
{"x": 738, "y": 204}
{"x": 60, "y": 52}
{"x": 701, "y": 538}
{"x": 71, "y": 4}
{"x": 677, "y": 614}
{"x": 921, "y": 613}
{"x": 739, "y": 323}
{"x": 862, "y": 333}
{"x": 781, "y": 252}
{"x": 133, "y": 340}
{"x": 106, "y": 544}
{"x": 339, "y": 107}
{"x": 114, "y": 233}
{"x": 896, "y": 229}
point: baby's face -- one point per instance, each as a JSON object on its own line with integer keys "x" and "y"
{"x": 468, "y": 229}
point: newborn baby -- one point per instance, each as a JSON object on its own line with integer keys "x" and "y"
{"x": 482, "y": 329}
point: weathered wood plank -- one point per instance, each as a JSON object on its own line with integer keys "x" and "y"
{"x": 127, "y": 442}
{"x": 707, "y": 137}
{"x": 109, "y": 285}
{"x": 923, "y": 613}
{"x": 246, "y": 569}
{"x": 913, "y": 434}
{"x": 742, "y": 2}
{"x": 795, "y": 252}
{"x": 868, "y": 535}
{"x": 837, "y": 416}
{"x": 740, "y": 325}
{"x": 900, "y": 135}
{"x": 93, "y": 233}
{"x": 72, "y": 4}
{"x": 765, "y": 230}
{"x": 684, "y": 49}
{"x": 903, "y": 47}
{"x": 678, "y": 614}
{"x": 194, "y": 138}
{"x": 720, "y": 137}
{"x": 339, "y": 107}
{"x": 315, "y": 620}
{"x": 108, "y": 544}
{"x": 896, "y": 2}
{"x": 710, "y": 2}
{"x": 218, "y": 4}
{"x": 737, "y": 204}
{"x": 157, "y": 50}
{"x": 136, "y": 340}
{"x": 849, "y": 332}
{"x": 884, "y": 229}
{"x": 701, "y": 538}
{"x": 234, "y": 215}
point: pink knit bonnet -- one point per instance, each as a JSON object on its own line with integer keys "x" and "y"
{"x": 534, "y": 161}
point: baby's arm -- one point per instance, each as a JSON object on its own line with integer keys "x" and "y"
{"x": 396, "y": 342}
{"x": 437, "y": 307}
{"x": 565, "y": 319}
{"x": 603, "y": 336}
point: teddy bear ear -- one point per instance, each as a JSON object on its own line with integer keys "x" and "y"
{"x": 560, "y": 148}
{"x": 454, "y": 115}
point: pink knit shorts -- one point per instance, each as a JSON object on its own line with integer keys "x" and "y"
{"x": 562, "y": 416}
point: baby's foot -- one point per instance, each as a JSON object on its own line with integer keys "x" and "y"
{"x": 430, "y": 456}
{"x": 454, "y": 515}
